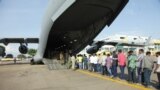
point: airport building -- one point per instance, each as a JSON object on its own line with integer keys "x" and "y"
{"x": 156, "y": 45}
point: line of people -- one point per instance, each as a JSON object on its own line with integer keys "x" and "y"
{"x": 139, "y": 66}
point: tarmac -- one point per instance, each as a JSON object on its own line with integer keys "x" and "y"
{"x": 24, "y": 76}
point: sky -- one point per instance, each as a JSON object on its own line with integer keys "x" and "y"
{"x": 23, "y": 18}
{"x": 139, "y": 17}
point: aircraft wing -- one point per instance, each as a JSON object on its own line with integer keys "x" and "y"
{"x": 127, "y": 44}
{"x": 6, "y": 41}
{"x": 110, "y": 43}
{"x": 123, "y": 44}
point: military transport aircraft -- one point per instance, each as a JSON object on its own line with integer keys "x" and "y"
{"x": 96, "y": 45}
{"x": 70, "y": 25}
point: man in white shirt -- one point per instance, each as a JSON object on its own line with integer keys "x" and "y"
{"x": 158, "y": 66}
{"x": 73, "y": 60}
{"x": 139, "y": 65}
{"x": 94, "y": 61}
{"x": 99, "y": 68}
{"x": 104, "y": 57}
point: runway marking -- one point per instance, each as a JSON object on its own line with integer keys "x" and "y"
{"x": 140, "y": 87}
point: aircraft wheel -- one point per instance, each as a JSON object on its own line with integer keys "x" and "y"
{"x": 32, "y": 62}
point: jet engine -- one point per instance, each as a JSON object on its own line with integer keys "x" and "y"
{"x": 2, "y": 51}
{"x": 23, "y": 49}
{"x": 93, "y": 49}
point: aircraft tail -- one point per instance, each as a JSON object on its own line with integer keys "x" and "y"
{"x": 148, "y": 41}
{"x": 147, "y": 44}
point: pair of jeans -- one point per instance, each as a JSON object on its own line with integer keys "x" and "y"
{"x": 85, "y": 65}
{"x": 95, "y": 67}
{"x": 89, "y": 66}
{"x": 140, "y": 76}
{"x": 99, "y": 68}
{"x": 109, "y": 71}
{"x": 158, "y": 75}
{"x": 132, "y": 74}
{"x": 80, "y": 65}
{"x": 114, "y": 70}
{"x": 92, "y": 67}
{"x": 103, "y": 70}
{"x": 147, "y": 76}
{"x": 122, "y": 68}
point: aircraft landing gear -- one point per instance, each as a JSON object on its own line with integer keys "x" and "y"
{"x": 32, "y": 62}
